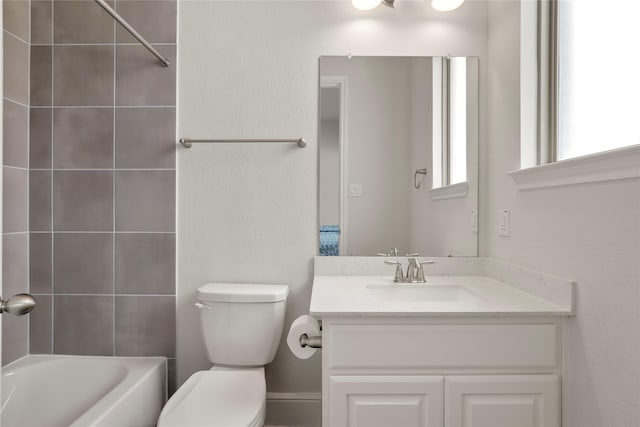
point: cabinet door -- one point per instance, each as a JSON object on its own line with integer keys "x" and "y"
{"x": 502, "y": 401}
{"x": 384, "y": 401}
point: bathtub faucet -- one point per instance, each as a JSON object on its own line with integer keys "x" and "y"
{"x": 18, "y": 304}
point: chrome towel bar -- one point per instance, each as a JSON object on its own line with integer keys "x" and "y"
{"x": 188, "y": 142}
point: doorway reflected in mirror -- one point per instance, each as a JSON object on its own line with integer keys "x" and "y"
{"x": 381, "y": 119}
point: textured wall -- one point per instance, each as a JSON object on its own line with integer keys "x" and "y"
{"x": 102, "y": 180}
{"x": 449, "y": 231}
{"x": 588, "y": 232}
{"x": 15, "y": 228}
{"x": 248, "y": 213}
{"x": 329, "y": 171}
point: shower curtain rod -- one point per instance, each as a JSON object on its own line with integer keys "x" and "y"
{"x": 164, "y": 61}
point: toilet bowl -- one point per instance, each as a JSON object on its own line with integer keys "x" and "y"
{"x": 218, "y": 397}
{"x": 241, "y": 326}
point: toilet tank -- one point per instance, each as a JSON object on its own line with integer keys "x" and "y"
{"x": 242, "y": 323}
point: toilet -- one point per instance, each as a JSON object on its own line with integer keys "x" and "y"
{"x": 241, "y": 327}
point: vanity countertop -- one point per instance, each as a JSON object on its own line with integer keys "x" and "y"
{"x": 356, "y": 295}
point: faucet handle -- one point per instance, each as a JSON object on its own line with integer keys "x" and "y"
{"x": 421, "y": 277}
{"x": 412, "y": 255}
{"x": 398, "y": 278}
{"x": 392, "y": 252}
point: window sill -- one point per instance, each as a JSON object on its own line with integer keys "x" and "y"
{"x": 452, "y": 191}
{"x": 622, "y": 163}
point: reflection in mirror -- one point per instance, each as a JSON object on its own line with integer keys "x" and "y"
{"x": 398, "y": 156}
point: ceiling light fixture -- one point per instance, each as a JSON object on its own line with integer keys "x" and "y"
{"x": 365, "y": 4}
{"x": 371, "y": 4}
{"x": 446, "y": 5}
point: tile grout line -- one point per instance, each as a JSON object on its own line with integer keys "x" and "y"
{"x": 98, "y": 44}
{"x": 94, "y": 106}
{"x": 29, "y": 179}
{"x": 90, "y": 232}
{"x": 110, "y": 295}
{"x": 93, "y": 169}
{"x": 113, "y": 207}
{"x": 51, "y": 142}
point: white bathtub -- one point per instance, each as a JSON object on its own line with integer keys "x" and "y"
{"x": 56, "y": 391}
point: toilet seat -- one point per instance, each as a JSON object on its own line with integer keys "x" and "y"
{"x": 231, "y": 397}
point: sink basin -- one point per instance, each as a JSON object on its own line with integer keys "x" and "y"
{"x": 419, "y": 292}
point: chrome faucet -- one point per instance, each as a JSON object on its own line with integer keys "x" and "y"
{"x": 411, "y": 270}
{"x": 399, "y": 276}
{"x": 392, "y": 252}
{"x": 415, "y": 271}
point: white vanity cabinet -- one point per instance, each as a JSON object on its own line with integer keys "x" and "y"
{"x": 441, "y": 371}
{"x": 502, "y": 400}
{"x": 385, "y": 400}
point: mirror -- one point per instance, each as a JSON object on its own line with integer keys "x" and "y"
{"x": 398, "y": 156}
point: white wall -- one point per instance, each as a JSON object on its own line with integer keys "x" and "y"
{"x": 329, "y": 164}
{"x": 421, "y": 154}
{"x": 449, "y": 231}
{"x": 249, "y": 213}
{"x": 589, "y": 233}
{"x": 1, "y": 157}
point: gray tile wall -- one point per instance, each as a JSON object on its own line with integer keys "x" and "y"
{"x": 102, "y": 180}
{"x": 15, "y": 227}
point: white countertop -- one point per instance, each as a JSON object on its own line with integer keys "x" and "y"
{"x": 352, "y": 295}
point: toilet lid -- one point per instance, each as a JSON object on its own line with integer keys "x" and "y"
{"x": 216, "y": 398}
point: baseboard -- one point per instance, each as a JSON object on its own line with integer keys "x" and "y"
{"x": 294, "y": 396}
{"x": 294, "y": 409}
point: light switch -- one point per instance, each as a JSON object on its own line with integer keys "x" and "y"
{"x": 474, "y": 221}
{"x": 503, "y": 223}
{"x": 355, "y": 190}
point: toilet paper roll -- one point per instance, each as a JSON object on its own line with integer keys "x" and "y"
{"x": 302, "y": 325}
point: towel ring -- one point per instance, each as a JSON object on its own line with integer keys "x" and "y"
{"x": 416, "y": 183}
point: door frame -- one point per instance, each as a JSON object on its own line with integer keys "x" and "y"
{"x": 340, "y": 82}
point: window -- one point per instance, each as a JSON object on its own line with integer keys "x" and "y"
{"x": 579, "y": 92}
{"x": 597, "y": 93}
{"x": 457, "y": 120}
{"x": 449, "y": 121}
{"x": 598, "y": 85}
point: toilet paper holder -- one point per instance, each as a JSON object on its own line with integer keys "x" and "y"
{"x": 313, "y": 342}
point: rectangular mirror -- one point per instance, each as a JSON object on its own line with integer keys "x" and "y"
{"x": 398, "y": 156}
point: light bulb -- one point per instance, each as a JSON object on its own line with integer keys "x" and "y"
{"x": 446, "y": 5}
{"x": 365, "y": 4}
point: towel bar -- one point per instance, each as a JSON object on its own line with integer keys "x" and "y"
{"x": 187, "y": 142}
